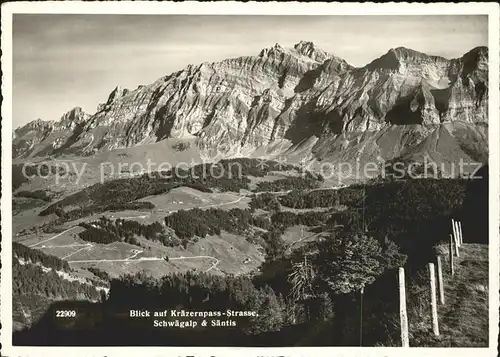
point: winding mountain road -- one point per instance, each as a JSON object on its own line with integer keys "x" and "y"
{"x": 54, "y": 237}
{"x": 131, "y": 259}
{"x": 144, "y": 259}
{"x": 204, "y": 207}
{"x": 88, "y": 246}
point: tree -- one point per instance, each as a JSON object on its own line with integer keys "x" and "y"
{"x": 274, "y": 205}
{"x": 270, "y": 309}
{"x": 275, "y": 246}
{"x": 348, "y": 262}
{"x": 302, "y": 279}
{"x": 475, "y": 208}
{"x": 391, "y": 257}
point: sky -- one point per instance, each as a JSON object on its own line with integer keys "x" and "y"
{"x": 63, "y": 61}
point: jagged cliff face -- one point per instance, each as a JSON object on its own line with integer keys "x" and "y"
{"x": 299, "y": 94}
{"x": 230, "y": 104}
{"x": 46, "y": 137}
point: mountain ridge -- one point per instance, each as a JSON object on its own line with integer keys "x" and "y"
{"x": 241, "y": 104}
{"x": 118, "y": 91}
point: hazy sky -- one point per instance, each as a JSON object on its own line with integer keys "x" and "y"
{"x": 63, "y": 61}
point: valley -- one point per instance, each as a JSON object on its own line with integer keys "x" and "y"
{"x": 230, "y": 253}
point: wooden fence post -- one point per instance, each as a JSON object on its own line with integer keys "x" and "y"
{"x": 461, "y": 233}
{"x": 455, "y": 232}
{"x": 455, "y": 239}
{"x": 440, "y": 280}
{"x": 452, "y": 268}
{"x": 453, "y": 227}
{"x": 434, "y": 316}
{"x": 402, "y": 310}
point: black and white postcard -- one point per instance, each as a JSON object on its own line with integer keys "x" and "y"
{"x": 213, "y": 179}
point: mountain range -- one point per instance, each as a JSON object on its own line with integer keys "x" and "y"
{"x": 300, "y": 103}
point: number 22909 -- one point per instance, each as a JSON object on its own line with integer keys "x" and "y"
{"x": 65, "y": 313}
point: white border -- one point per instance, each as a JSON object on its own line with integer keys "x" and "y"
{"x": 271, "y": 8}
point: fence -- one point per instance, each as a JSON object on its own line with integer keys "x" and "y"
{"x": 435, "y": 290}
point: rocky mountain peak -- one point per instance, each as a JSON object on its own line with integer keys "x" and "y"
{"x": 405, "y": 60}
{"x": 37, "y": 125}
{"x": 404, "y": 52}
{"x": 276, "y": 49}
{"x": 117, "y": 93}
{"x": 473, "y": 66}
{"x": 71, "y": 119}
{"x": 476, "y": 56}
{"x": 481, "y": 51}
{"x": 309, "y": 49}
{"x": 305, "y": 47}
